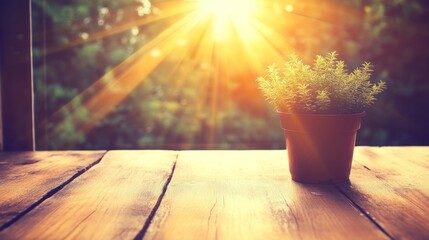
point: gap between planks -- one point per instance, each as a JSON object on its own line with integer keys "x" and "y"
{"x": 50, "y": 193}
{"x": 389, "y": 183}
{"x": 51, "y": 219}
{"x": 152, "y": 214}
{"x": 362, "y": 210}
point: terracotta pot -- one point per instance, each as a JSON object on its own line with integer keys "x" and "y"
{"x": 320, "y": 147}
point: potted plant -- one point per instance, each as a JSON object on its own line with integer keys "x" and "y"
{"x": 320, "y": 108}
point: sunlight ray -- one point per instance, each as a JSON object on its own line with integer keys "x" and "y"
{"x": 176, "y": 77}
{"x": 114, "y": 86}
{"x": 274, "y": 38}
{"x": 251, "y": 39}
{"x": 201, "y": 45}
{"x": 168, "y": 12}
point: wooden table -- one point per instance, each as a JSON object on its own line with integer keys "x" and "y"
{"x": 155, "y": 194}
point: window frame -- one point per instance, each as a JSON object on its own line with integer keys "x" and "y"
{"x": 16, "y": 79}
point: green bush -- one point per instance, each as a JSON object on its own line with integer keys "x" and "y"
{"x": 325, "y": 87}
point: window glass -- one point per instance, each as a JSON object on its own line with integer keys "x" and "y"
{"x": 145, "y": 74}
{"x": 135, "y": 74}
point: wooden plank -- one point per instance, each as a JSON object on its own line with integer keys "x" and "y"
{"x": 112, "y": 200}
{"x": 16, "y": 75}
{"x": 399, "y": 158}
{"x": 249, "y": 195}
{"x": 26, "y": 177}
{"x": 391, "y": 184}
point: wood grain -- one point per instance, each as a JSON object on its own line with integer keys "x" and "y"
{"x": 112, "y": 200}
{"x": 391, "y": 185}
{"x": 249, "y": 195}
{"x": 27, "y": 177}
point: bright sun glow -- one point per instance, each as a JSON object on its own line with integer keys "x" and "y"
{"x": 233, "y": 9}
{"x": 227, "y": 15}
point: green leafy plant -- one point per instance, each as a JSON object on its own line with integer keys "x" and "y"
{"x": 325, "y": 87}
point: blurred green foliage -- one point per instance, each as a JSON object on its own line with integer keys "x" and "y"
{"x": 172, "y": 107}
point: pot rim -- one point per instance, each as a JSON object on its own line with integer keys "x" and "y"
{"x": 359, "y": 114}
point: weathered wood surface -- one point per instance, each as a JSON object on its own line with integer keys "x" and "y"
{"x": 391, "y": 184}
{"x": 112, "y": 200}
{"x": 28, "y": 177}
{"x": 249, "y": 195}
{"x": 212, "y": 194}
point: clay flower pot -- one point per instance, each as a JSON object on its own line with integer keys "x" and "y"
{"x": 320, "y": 147}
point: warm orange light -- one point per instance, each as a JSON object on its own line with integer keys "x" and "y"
{"x": 233, "y": 9}
{"x": 227, "y": 14}
{"x": 289, "y": 8}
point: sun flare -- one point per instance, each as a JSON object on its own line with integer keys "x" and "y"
{"x": 226, "y": 13}
{"x": 233, "y": 9}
